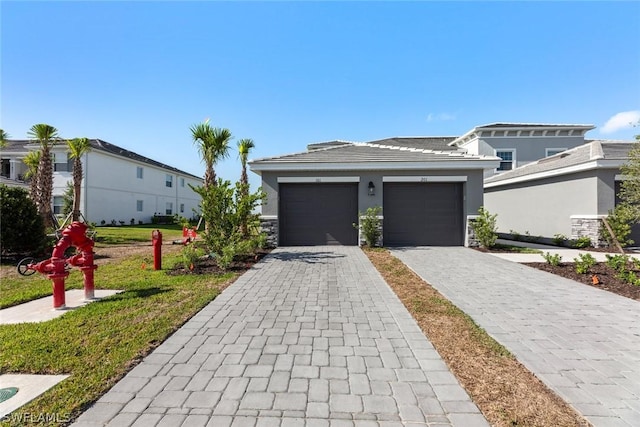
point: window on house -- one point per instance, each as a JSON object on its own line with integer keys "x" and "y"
{"x": 181, "y": 207}
{"x": 139, "y": 172}
{"x": 508, "y": 158}
{"x": 60, "y": 162}
{"x": 58, "y": 205}
{"x": 553, "y": 151}
{"x": 169, "y": 209}
{"x": 139, "y": 205}
{"x": 181, "y": 182}
{"x": 169, "y": 181}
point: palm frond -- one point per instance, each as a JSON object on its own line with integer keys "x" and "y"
{"x": 45, "y": 134}
{"x": 78, "y": 146}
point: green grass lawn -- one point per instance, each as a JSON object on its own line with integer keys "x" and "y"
{"x": 98, "y": 343}
{"x": 137, "y": 233}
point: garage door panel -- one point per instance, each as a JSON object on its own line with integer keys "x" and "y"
{"x": 423, "y": 214}
{"x": 318, "y": 214}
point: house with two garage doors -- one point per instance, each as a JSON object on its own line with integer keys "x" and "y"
{"x": 429, "y": 188}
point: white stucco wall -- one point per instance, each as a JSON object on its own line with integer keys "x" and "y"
{"x": 544, "y": 207}
{"x": 111, "y": 190}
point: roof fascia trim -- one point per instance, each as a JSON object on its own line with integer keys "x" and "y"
{"x": 316, "y": 179}
{"x": 446, "y": 164}
{"x": 597, "y": 164}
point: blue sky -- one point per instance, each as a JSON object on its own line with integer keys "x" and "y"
{"x": 139, "y": 74}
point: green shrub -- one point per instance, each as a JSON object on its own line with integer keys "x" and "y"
{"x": 581, "y": 242}
{"x": 191, "y": 255}
{"x": 559, "y": 239}
{"x": 620, "y": 219}
{"x": 629, "y": 277}
{"x": 225, "y": 209}
{"x": 370, "y": 225}
{"x": 584, "y": 262}
{"x": 617, "y": 262}
{"x": 21, "y": 227}
{"x": 515, "y": 235}
{"x": 485, "y": 228}
{"x": 552, "y": 259}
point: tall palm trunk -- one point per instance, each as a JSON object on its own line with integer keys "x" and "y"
{"x": 45, "y": 186}
{"x": 46, "y": 135}
{"x": 77, "y": 187}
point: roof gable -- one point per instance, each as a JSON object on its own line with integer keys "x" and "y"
{"x": 587, "y": 154}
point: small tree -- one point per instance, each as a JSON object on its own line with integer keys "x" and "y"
{"x": 621, "y": 218}
{"x": 370, "y": 225}
{"x": 67, "y": 199}
{"x": 244, "y": 148}
{"x": 485, "y": 228}
{"x": 224, "y": 206}
{"x": 21, "y": 227}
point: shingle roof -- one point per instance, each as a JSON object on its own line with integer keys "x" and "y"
{"x": 370, "y": 152}
{"x": 431, "y": 143}
{"x": 591, "y": 151}
{"x": 20, "y": 145}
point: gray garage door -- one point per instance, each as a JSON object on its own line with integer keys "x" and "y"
{"x": 318, "y": 214}
{"x": 422, "y": 214}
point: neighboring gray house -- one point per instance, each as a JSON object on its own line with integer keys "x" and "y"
{"x": 566, "y": 193}
{"x": 429, "y": 191}
{"x": 520, "y": 143}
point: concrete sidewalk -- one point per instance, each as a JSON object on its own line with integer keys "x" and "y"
{"x": 568, "y": 255}
{"x": 311, "y": 336}
{"x": 583, "y": 342}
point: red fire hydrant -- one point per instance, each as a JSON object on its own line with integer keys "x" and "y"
{"x": 156, "y": 240}
{"x": 55, "y": 267}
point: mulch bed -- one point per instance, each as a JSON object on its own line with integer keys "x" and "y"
{"x": 209, "y": 265}
{"x": 605, "y": 274}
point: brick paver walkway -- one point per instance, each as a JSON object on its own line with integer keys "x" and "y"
{"x": 583, "y": 342}
{"x": 311, "y": 336}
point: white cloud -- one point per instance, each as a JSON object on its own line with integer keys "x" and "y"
{"x": 623, "y": 120}
{"x": 439, "y": 117}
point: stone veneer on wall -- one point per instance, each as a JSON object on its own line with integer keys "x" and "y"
{"x": 471, "y": 240}
{"x": 269, "y": 225}
{"x": 587, "y": 226}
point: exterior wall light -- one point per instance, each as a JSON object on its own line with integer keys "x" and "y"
{"x": 371, "y": 189}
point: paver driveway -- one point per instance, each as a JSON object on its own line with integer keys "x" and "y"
{"x": 582, "y": 342}
{"x": 311, "y": 336}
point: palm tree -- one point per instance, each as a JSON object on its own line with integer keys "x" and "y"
{"x": 47, "y": 136}
{"x": 77, "y": 148}
{"x": 3, "y": 138}
{"x": 213, "y": 145}
{"x": 32, "y": 160}
{"x": 244, "y": 147}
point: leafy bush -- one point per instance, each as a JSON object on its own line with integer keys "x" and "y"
{"x": 515, "y": 235}
{"x": 584, "y": 262}
{"x": 552, "y": 259}
{"x": 621, "y": 219}
{"x": 559, "y": 239}
{"x": 191, "y": 255}
{"x": 21, "y": 227}
{"x": 485, "y": 228}
{"x": 623, "y": 266}
{"x": 617, "y": 262}
{"x": 225, "y": 209}
{"x": 581, "y": 242}
{"x": 370, "y": 225}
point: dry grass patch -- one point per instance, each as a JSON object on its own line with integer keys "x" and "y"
{"x": 505, "y": 391}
